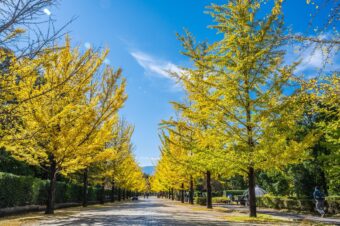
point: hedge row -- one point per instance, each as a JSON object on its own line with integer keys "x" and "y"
{"x": 220, "y": 200}
{"x": 201, "y": 201}
{"x": 23, "y": 190}
{"x": 234, "y": 192}
{"x": 332, "y": 203}
{"x": 214, "y": 194}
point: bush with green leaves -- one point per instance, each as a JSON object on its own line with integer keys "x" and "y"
{"x": 25, "y": 190}
{"x": 332, "y": 203}
{"x": 280, "y": 202}
{"x": 234, "y": 192}
{"x": 220, "y": 200}
{"x": 15, "y": 191}
{"x": 201, "y": 201}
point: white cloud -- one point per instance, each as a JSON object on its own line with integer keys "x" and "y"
{"x": 152, "y": 65}
{"x": 107, "y": 61}
{"x": 87, "y": 45}
{"x": 313, "y": 57}
{"x": 148, "y": 161}
{"x": 47, "y": 11}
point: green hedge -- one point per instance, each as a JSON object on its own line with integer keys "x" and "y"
{"x": 15, "y": 191}
{"x": 332, "y": 203}
{"x": 201, "y": 201}
{"x": 285, "y": 203}
{"x": 23, "y": 190}
{"x": 234, "y": 192}
{"x": 220, "y": 200}
{"x": 217, "y": 193}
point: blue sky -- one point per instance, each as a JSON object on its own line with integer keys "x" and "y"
{"x": 141, "y": 35}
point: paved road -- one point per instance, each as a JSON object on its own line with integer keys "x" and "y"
{"x": 152, "y": 211}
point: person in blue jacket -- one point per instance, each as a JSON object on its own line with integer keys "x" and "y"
{"x": 319, "y": 201}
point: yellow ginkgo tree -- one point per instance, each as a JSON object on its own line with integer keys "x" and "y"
{"x": 63, "y": 125}
{"x": 115, "y": 167}
{"x": 324, "y": 97}
{"x": 248, "y": 100}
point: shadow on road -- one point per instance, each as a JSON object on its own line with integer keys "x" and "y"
{"x": 142, "y": 212}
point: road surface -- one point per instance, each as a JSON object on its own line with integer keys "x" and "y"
{"x": 150, "y": 211}
{"x": 155, "y": 211}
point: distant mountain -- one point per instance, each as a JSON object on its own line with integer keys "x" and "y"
{"x": 149, "y": 170}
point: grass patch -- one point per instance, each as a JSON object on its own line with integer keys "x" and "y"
{"x": 198, "y": 208}
{"x": 309, "y": 223}
{"x": 230, "y": 210}
{"x": 27, "y": 219}
{"x": 261, "y": 218}
{"x": 34, "y": 217}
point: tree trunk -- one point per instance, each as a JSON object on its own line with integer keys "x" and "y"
{"x": 252, "y": 197}
{"x": 191, "y": 192}
{"x": 182, "y": 193}
{"x": 169, "y": 193}
{"x": 172, "y": 194}
{"x": 119, "y": 195}
{"x": 324, "y": 181}
{"x": 51, "y": 190}
{"x": 102, "y": 196}
{"x": 251, "y": 145}
{"x": 112, "y": 192}
{"x": 209, "y": 196}
{"x": 85, "y": 186}
{"x": 124, "y": 194}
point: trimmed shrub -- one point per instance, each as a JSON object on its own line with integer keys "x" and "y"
{"x": 217, "y": 193}
{"x": 306, "y": 205}
{"x": 234, "y": 192}
{"x": 201, "y": 201}
{"x": 74, "y": 193}
{"x": 332, "y": 203}
{"x": 15, "y": 190}
{"x": 60, "y": 192}
{"x": 276, "y": 202}
{"x": 220, "y": 200}
{"x": 92, "y": 194}
{"x": 39, "y": 188}
{"x": 22, "y": 190}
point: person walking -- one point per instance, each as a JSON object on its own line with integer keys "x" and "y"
{"x": 319, "y": 198}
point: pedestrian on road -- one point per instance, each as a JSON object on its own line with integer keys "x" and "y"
{"x": 230, "y": 198}
{"x": 319, "y": 201}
